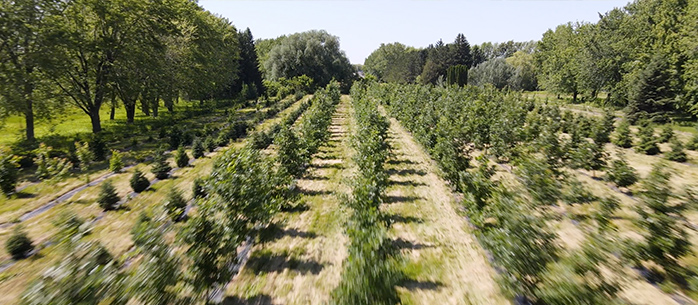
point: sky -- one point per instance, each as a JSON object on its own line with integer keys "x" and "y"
{"x": 362, "y": 25}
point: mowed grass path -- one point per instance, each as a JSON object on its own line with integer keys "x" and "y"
{"x": 445, "y": 263}
{"x": 302, "y": 262}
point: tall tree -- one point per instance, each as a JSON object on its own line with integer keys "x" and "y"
{"x": 22, "y": 48}
{"x": 249, "y": 64}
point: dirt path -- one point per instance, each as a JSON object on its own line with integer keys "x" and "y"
{"x": 445, "y": 262}
{"x": 303, "y": 261}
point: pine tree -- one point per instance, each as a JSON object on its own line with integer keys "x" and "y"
{"x": 289, "y": 153}
{"x": 18, "y": 245}
{"x": 621, "y": 173}
{"x": 161, "y": 168}
{"x": 175, "y": 204}
{"x": 693, "y": 143}
{"x": 677, "y": 153}
{"x": 8, "y": 171}
{"x": 107, "y": 196}
{"x": 623, "y": 137}
{"x": 648, "y": 142}
{"x": 116, "y": 163}
{"x": 198, "y": 188}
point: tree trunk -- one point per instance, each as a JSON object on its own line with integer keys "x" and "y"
{"x": 94, "y": 117}
{"x": 113, "y": 111}
{"x": 145, "y": 107}
{"x": 155, "y": 104}
{"x": 169, "y": 103}
{"x": 574, "y": 96}
{"x": 29, "y": 118}
{"x": 130, "y": 111}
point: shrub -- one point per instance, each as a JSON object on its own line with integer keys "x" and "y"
{"x": 19, "y": 244}
{"x": 182, "y": 158}
{"x": 260, "y": 140}
{"x": 198, "y": 188}
{"x": 8, "y": 171}
{"x": 623, "y": 138}
{"x": 108, "y": 199}
{"x": 175, "y": 204}
{"x": 648, "y": 142}
{"x": 161, "y": 168}
{"x": 198, "y": 149}
{"x": 138, "y": 181}
{"x": 666, "y": 135}
{"x": 175, "y": 137}
{"x": 289, "y": 153}
{"x": 621, "y": 173}
{"x": 677, "y": 153}
{"x": 116, "y": 163}
{"x": 693, "y": 143}
{"x": 210, "y": 144}
{"x": 50, "y": 168}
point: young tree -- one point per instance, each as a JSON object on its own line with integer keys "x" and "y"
{"x": 161, "y": 167}
{"x": 677, "y": 153}
{"x": 116, "y": 163}
{"x": 198, "y": 188}
{"x": 198, "y": 149}
{"x": 621, "y": 173}
{"x": 623, "y": 137}
{"x": 182, "y": 158}
{"x": 289, "y": 152}
{"x": 648, "y": 142}
{"x": 666, "y": 240}
{"x": 8, "y": 171}
{"x": 84, "y": 154}
{"x": 692, "y": 143}
{"x": 175, "y": 204}
{"x": 138, "y": 181}
{"x": 18, "y": 245}
{"x": 108, "y": 199}
{"x": 666, "y": 135}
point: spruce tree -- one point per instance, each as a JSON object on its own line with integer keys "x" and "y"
{"x": 138, "y": 181}
{"x": 666, "y": 135}
{"x": 175, "y": 204}
{"x": 18, "y": 245}
{"x": 198, "y": 149}
{"x": 648, "y": 142}
{"x": 161, "y": 168}
{"x": 677, "y": 153}
{"x": 107, "y": 196}
{"x": 182, "y": 158}
{"x": 621, "y": 173}
{"x": 693, "y": 143}
{"x": 623, "y": 137}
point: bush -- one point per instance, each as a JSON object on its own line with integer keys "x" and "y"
{"x": 289, "y": 153}
{"x": 84, "y": 155}
{"x": 623, "y": 137}
{"x": 50, "y": 168}
{"x": 116, "y": 163}
{"x": 677, "y": 154}
{"x": 8, "y": 171}
{"x": 138, "y": 181}
{"x": 621, "y": 173}
{"x": 693, "y": 143}
{"x": 198, "y": 149}
{"x": 666, "y": 135}
{"x": 108, "y": 198}
{"x": 198, "y": 188}
{"x": 161, "y": 168}
{"x": 210, "y": 144}
{"x": 260, "y": 140}
{"x": 175, "y": 204}
{"x": 19, "y": 244}
{"x": 182, "y": 159}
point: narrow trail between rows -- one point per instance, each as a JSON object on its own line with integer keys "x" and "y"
{"x": 302, "y": 261}
{"x": 446, "y": 264}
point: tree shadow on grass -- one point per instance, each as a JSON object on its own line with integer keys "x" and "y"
{"x": 406, "y": 183}
{"x": 267, "y": 262}
{"x": 400, "y": 161}
{"x": 403, "y": 244}
{"x": 328, "y": 165}
{"x": 260, "y": 299}
{"x": 23, "y": 195}
{"x": 403, "y": 219}
{"x": 316, "y": 178}
{"x": 300, "y": 207}
{"x": 274, "y": 232}
{"x": 401, "y": 199}
{"x": 405, "y": 172}
{"x": 326, "y": 156}
{"x": 316, "y": 192}
{"x": 413, "y": 285}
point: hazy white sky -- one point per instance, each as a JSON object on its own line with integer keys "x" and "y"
{"x": 362, "y": 25}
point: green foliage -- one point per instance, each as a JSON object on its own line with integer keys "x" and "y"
{"x": 50, "y": 168}
{"x": 621, "y": 173}
{"x": 175, "y": 204}
{"x": 648, "y": 142}
{"x": 107, "y": 199}
{"x": 496, "y": 72}
{"x": 260, "y": 140}
{"x": 576, "y": 192}
{"x": 677, "y": 152}
{"x": 98, "y": 147}
{"x": 18, "y": 245}
{"x": 538, "y": 178}
{"x": 477, "y": 185}
{"x": 182, "y": 158}
{"x": 457, "y": 75}
{"x": 197, "y": 148}
{"x": 8, "y": 171}
{"x": 84, "y": 155}
{"x": 589, "y": 156}
{"x": 692, "y": 143}
{"x": 623, "y": 137}
{"x": 666, "y": 134}
{"x": 116, "y": 163}
{"x": 138, "y": 181}
{"x": 665, "y": 237}
{"x": 289, "y": 152}
{"x": 161, "y": 167}
{"x": 210, "y": 144}
{"x": 198, "y": 188}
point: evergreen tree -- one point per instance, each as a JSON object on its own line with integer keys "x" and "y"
{"x": 175, "y": 204}
{"x": 290, "y": 157}
{"x": 677, "y": 153}
{"x": 621, "y": 173}
{"x": 461, "y": 54}
{"x": 249, "y": 74}
{"x": 182, "y": 158}
{"x": 652, "y": 94}
{"x": 666, "y": 135}
{"x": 161, "y": 168}
{"x": 8, "y": 171}
{"x": 623, "y": 137}
{"x": 198, "y": 188}
{"x": 648, "y": 142}
{"x": 108, "y": 199}
{"x": 138, "y": 181}
{"x": 116, "y": 163}
{"x": 693, "y": 143}
{"x": 198, "y": 149}
{"x": 18, "y": 245}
